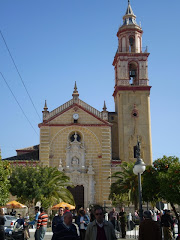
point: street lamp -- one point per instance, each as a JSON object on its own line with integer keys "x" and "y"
{"x": 139, "y": 168}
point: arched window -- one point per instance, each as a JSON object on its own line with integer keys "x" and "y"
{"x": 133, "y": 73}
{"x": 123, "y": 44}
{"x": 131, "y": 44}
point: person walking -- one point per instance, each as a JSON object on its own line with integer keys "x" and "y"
{"x": 66, "y": 230}
{"x": 58, "y": 219}
{"x": 42, "y": 224}
{"x": 113, "y": 217}
{"x": 167, "y": 224}
{"x": 123, "y": 220}
{"x": 149, "y": 229}
{"x": 34, "y": 222}
{"x": 82, "y": 221}
{"x": 100, "y": 229}
{"x": 2, "y": 222}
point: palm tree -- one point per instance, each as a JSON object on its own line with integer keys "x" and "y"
{"x": 45, "y": 184}
{"x": 126, "y": 184}
{"x": 54, "y": 187}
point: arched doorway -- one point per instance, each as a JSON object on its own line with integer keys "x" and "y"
{"x": 78, "y": 194}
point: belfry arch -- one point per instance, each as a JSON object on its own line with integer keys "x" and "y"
{"x": 133, "y": 73}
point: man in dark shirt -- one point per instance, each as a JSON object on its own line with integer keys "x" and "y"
{"x": 123, "y": 220}
{"x": 167, "y": 224}
{"x": 66, "y": 230}
{"x": 20, "y": 220}
{"x": 149, "y": 229}
{"x": 57, "y": 219}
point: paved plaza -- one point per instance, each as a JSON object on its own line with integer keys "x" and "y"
{"x": 48, "y": 236}
{"x": 130, "y": 235}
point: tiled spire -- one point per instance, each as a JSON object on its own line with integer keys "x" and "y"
{"x": 45, "y": 107}
{"x": 104, "y": 107}
{"x": 129, "y": 18}
{"x": 75, "y": 93}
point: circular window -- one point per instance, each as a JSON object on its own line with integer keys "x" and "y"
{"x": 75, "y": 137}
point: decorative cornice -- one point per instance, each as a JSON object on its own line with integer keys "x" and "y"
{"x": 75, "y": 124}
{"x": 129, "y": 28}
{"x": 130, "y": 54}
{"x": 131, "y": 88}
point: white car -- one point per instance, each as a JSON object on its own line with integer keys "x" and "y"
{"x": 9, "y": 221}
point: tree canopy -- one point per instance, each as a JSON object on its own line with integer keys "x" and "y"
{"x": 125, "y": 187}
{"x": 4, "y": 181}
{"x": 162, "y": 180}
{"x": 46, "y": 184}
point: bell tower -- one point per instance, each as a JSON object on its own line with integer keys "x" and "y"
{"x": 132, "y": 90}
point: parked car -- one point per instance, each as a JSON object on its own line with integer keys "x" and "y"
{"x": 9, "y": 221}
{"x": 17, "y": 233}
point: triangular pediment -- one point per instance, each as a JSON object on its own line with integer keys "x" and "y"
{"x": 64, "y": 114}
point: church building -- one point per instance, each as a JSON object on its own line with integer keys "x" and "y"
{"x": 88, "y": 144}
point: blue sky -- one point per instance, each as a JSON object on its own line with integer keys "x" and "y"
{"x": 55, "y": 43}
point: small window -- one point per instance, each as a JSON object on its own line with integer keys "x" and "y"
{"x": 131, "y": 44}
{"x": 75, "y": 136}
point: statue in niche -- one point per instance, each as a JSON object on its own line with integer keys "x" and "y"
{"x": 75, "y": 161}
{"x": 60, "y": 168}
{"x": 75, "y": 152}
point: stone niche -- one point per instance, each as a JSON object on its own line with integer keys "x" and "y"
{"x": 75, "y": 153}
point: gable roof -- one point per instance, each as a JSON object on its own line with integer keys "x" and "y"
{"x": 71, "y": 104}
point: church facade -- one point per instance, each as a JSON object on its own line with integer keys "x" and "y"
{"x": 89, "y": 145}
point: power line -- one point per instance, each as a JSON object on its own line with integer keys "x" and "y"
{"x": 18, "y": 103}
{"x": 19, "y": 74}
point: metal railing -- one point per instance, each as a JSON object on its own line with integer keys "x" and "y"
{"x": 132, "y": 50}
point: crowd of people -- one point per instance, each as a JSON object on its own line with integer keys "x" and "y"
{"x": 89, "y": 225}
{"x": 95, "y": 224}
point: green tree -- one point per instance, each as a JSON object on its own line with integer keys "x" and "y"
{"x": 126, "y": 185}
{"x": 162, "y": 182}
{"x": 4, "y": 181}
{"x": 119, "y": 200}
{"x": 150, "y": 185}
{"x": 54, "y": 187}
{"x": 169, "y": 181}
{"x": 46, "y": 184}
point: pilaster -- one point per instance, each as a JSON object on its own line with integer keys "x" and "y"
{"x": 44, "y": 146}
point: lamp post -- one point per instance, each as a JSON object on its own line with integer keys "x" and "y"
{"x": 139, "y": 168}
